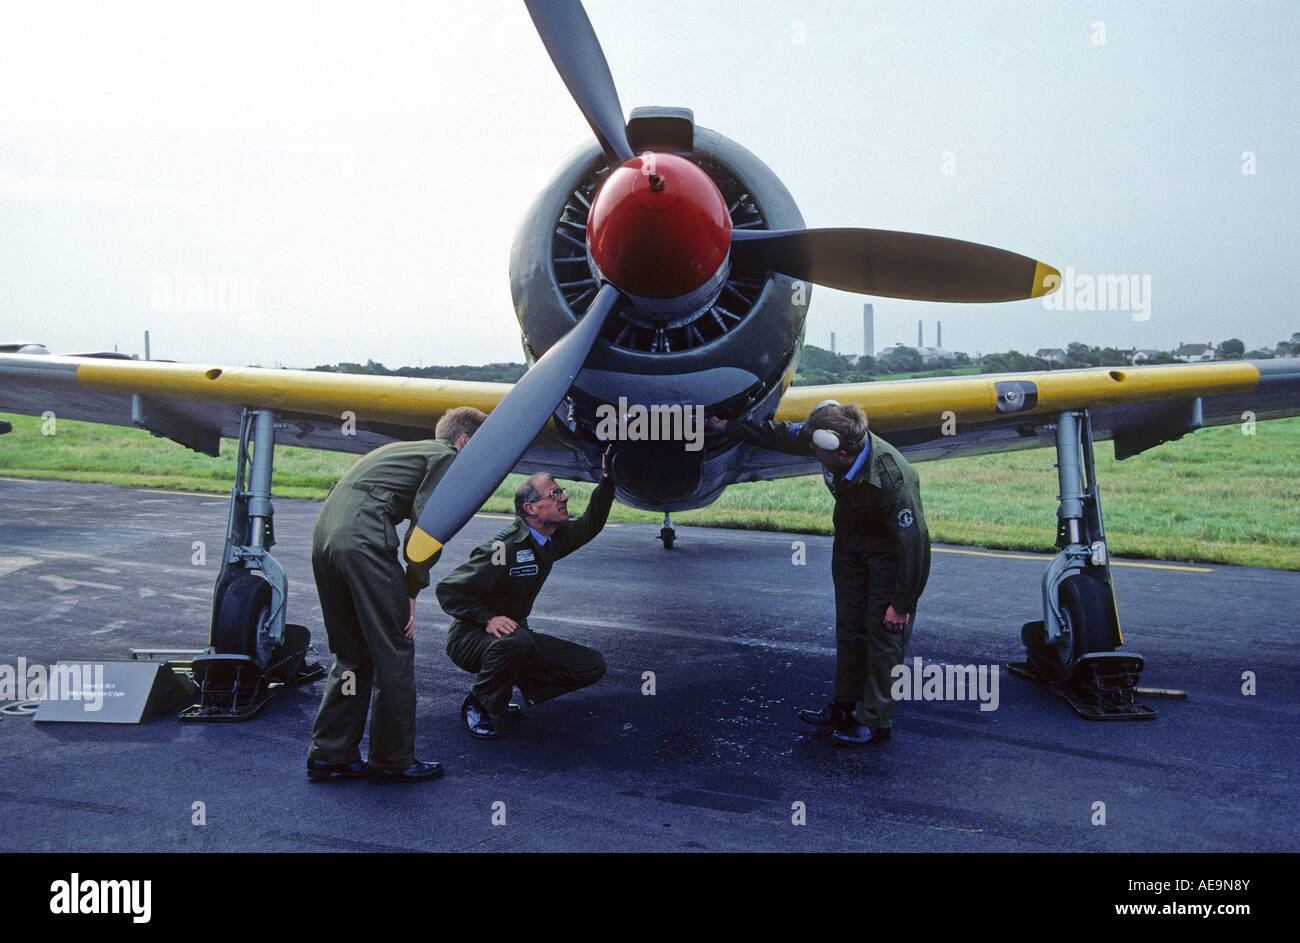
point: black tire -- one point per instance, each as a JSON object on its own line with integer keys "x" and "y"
{"x": 288, "y": 655}
{"x": 1085, "y": 604}
{"x": 667, "y": 535}
{"x": 245, "y": 606}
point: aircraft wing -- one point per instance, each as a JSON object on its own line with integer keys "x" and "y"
{"x": 197, "y": 404}
{"x": 1137, "y": 407}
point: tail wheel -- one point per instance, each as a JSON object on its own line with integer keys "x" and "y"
{"x": 667, "y": 535}
{"x": 244, "y": 620}
{"x": 1085, "y": 609}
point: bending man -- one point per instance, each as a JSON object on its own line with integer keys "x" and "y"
{"x": 368, "y": 604}
{"x": 880, "y": 559}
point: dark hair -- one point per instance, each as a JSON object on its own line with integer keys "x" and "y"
{"x": 848, "y": 421}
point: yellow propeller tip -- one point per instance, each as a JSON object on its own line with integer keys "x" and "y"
{"x": 421, "y": 546}
{"x": 1046, "y": 280}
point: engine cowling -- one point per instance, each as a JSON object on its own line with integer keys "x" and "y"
{"x": 728, "y": 352}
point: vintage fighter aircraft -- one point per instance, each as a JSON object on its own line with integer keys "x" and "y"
{"x": 666, "y": 265}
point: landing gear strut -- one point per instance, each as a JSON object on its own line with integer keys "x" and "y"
{"x": 1072, "y": 650}
{"x": 255, "y": 652}
{"x": 667, "y": 533}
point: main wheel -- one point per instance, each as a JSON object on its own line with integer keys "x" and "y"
{"x": 243, "y": 618}
{"x": 1085, "y": 609}
{"x": 667, "y": 535}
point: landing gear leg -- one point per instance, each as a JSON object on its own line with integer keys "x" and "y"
{"x": 1072, "y": 650}
{"x": 255, "y": 652}
{"x": 667, "y": 533}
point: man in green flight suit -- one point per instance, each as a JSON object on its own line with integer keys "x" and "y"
{"x": 368, "y": 605}
{"x": 491, "y": 594}
{"x": 880, "y": 559}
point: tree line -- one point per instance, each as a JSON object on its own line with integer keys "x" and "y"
{"x": 486, "y": 373}
{"x": 819, "y": 366}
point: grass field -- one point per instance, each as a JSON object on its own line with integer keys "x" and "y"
{"x": 1217, "y": 496}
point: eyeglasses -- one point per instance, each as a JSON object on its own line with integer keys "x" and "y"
{"x": 555, "y": 495}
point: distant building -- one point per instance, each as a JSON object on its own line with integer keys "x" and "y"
{"x": 928, "y": 354}
{"x": 935, "y": 354}
{"x": 1053, "y": 354}
{"x": 1194, "y": 353}
{"x": 1144, "y": 355}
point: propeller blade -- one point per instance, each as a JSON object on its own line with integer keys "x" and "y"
{"x": 505, "y": 435}
{"x": 572, "y": 44}
{"x": 896, "y": 264}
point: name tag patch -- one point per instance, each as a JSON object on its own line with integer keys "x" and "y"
{"x": 530, "y": 570}
{"x": 524, "y": 556}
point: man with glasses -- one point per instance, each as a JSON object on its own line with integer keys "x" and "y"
{"x": 491, "y": 594}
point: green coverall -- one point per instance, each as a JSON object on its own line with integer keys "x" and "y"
{"x": 502, "y": 577}
{"x": 880, "y": 557}
{"x": 364, "y": 595}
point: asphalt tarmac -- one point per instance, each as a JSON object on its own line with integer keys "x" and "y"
{"x": 737, "y": 635}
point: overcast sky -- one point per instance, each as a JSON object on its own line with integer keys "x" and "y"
{"x": 351, "y": 175}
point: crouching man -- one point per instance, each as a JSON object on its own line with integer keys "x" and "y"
{"x": 492, "y": 593}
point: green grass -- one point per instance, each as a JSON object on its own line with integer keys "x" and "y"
{"x": 1218, "y": 496}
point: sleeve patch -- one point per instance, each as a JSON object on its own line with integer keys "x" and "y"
{"x": 905, "y": 518}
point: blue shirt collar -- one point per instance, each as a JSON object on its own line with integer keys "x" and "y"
{"x": 541, "y": 541}
{"x": 852, "y": 473}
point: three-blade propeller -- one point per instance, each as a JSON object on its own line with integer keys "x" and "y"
{"x": 869, "y": 261}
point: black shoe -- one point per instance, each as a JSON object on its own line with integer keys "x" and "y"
{"x": 832, "y": 715}
{"x": 319, "y": 771}
{"x": 478, "y": 720}
{"x": 418, "y": 772}
{"x": 859, "y": 735}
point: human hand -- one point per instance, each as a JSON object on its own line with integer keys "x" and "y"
{"x": 895, "y": 622}
{"x": 409, "y": 628}
{"x": 501, "y": 626}
{"x": 605, "y": 460}
{"x": 714, "y": 425}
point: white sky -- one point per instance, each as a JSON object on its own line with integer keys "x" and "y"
{"x": 357, "y": 172}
